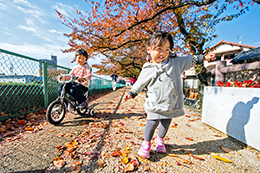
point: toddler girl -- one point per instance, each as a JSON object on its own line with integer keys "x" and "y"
{"x": 82, "y": 71}
{"x": 162, "y": 77}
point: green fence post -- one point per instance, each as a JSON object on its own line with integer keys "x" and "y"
{"x": 45, "y": 81}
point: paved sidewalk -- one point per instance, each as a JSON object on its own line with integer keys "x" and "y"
{"x": 124, "y": 121}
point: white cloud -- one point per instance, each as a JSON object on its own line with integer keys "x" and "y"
{"x": 41, "y": 52}
{"x": 33, "y": 13}
{"x": 23, "y": 2}
{"x": 3, "y": 6}
{"x": 30, "y": 29}
{"x": 7, "y": 33}
{"x": 29, "y": 21}
{"x": 257, "y": 43}
{"x": 64, "y": 9}
{"x": 55, "y": 32}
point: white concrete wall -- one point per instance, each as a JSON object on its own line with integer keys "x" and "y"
{"x": 234, "y": 111}
{"x": 226, "y": 47}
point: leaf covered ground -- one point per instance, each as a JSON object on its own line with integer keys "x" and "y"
{"x": 109, "y": 142}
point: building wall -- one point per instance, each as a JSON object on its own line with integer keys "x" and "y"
{"x": 18, "y": 79}
{"x": 243, "y": 75}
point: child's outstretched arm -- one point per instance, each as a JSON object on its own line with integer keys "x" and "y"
{"x": 146, "y": 75}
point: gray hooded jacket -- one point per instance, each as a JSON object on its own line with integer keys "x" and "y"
{"x": 164, "y": 89}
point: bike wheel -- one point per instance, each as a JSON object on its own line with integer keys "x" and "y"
{"x": 55, "y": 112}
{"x": 91, "y": 112}
{"x": 82, "y": 111}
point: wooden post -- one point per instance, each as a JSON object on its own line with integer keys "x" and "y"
{"x": 218, "y": 75}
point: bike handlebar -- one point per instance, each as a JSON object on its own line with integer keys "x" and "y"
{"x": 62, "y": 78}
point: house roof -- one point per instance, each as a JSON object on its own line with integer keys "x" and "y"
{"x": 231, "y": 43}
{"x": 250, "y": 56}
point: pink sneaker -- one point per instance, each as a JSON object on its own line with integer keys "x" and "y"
{"x": 160, "y": 147}
{"x": 145, "y": 149}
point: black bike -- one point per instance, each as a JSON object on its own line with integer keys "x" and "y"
{"x": 57, "y": 109}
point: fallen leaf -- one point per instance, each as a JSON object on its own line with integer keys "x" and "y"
{"x": 58, "y": 163}
{"x": 60, "y": 147}
{"x": 75, "y": 168}
{"x": 21, "y": 122}
{"x": 195, "y": 119}
{"x": 84, "y": 123}
{"x": 129, "y": 167}
{"x": 101, "y": 164}
{"x": 183, "y": 160}
{"x": 122, "y": 153}
{"x": 172, "y": 155}
{"x": 258, "y": 157}
{"x": 121, "y": 123}
{"x": 57, "y": 158}
{"x": 60, "y": 134}
{"x": 146, "y": 168}
{"x": 71, "y": 144}
{"x": 28, "y": 129}
{"x": 197, "y": 157}
{"x": 222, "y": 158}
{"x": 77, "y": 163}
{"x": 128, "y": 148}
{"x": 68, "y": 135}
{"x": 174, "y": 125}
{"x": 187, "y": 116}
{"x": 51, "y": 130}
{"x": 142, "y": 159}
{"x": 116, "y": 153}
{"x": 218, "y": 135}
{"x": 226, "y": 149}
{"x": 191, "y": 139}
{"x": 124, "y": 160}
{"x": 135, "y": 162}
{"x": 120, "y": 167}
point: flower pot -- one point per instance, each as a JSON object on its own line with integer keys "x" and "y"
{"x": 234, "y": 111}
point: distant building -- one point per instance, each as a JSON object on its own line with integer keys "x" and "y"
{"x": 19, "y": 79}
{"x": 225, "y": 51}
{"x": 52, "y": 61}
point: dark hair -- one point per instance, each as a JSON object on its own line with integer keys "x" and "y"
{"x": 158, "y": 38}
{"x": 80, "y": 52}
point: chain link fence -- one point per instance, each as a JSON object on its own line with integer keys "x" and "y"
{"x": 28, "y": 84}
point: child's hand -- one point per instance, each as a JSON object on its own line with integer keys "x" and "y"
{"x": 59, "y": 78}
{"x": 210, "y": 56}
{"x": 127, "y": 97}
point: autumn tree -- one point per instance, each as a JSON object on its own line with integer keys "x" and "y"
{"x": 119, "y": 29}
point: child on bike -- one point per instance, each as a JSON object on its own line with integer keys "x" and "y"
{"x": 82, "y": 71}
{"x": 162, "y": 77}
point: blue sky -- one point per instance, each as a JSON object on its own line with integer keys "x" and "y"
{"x": 31, "y": 28}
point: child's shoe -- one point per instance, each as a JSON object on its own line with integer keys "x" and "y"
{"x": 145, "y": 149}
{"x": 160, "y": 147}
